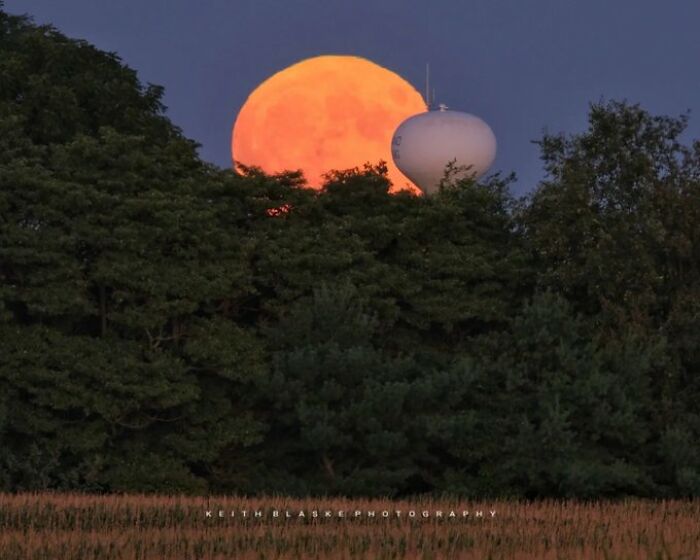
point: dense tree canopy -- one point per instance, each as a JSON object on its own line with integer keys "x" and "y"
{"x": 166, "y": 325}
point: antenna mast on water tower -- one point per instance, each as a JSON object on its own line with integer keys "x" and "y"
{"x": 429, "y": 101}
{"x": 427, "y": 86}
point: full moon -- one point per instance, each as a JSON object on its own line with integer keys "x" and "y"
{"x": 324, "y": 113}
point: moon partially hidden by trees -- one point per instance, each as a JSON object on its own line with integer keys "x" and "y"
{"x": 324, "y": 113}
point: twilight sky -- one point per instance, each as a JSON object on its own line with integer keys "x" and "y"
{"x": 523, "y": 66}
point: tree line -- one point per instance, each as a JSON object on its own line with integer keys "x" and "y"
{"x": 166, "y": 325}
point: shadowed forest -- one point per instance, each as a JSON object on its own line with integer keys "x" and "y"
{"x": 169, "y": 326}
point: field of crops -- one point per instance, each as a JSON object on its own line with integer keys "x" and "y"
{"x": 80, "y": 527}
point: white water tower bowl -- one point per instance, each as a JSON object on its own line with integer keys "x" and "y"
{"x": 425, "y": 143}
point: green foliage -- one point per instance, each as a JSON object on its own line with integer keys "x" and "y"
{"x": 349, "y": 411}
{"x": 169, "y": 326}
{"x": 115, "y": 271}
{"x": 615, "y": 226}
{"x": 577, "y": 404}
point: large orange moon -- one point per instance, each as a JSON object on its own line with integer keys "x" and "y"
{"x": 324, "y": 113}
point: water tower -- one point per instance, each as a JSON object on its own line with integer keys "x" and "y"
{"x": 425, "y": 143}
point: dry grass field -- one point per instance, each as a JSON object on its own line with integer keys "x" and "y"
{"x": 80, "y": 527}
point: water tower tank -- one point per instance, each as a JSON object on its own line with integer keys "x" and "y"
{"x": 425, "y": 143}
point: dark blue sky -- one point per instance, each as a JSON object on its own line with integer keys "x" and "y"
{"x": 522, "y": 65}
